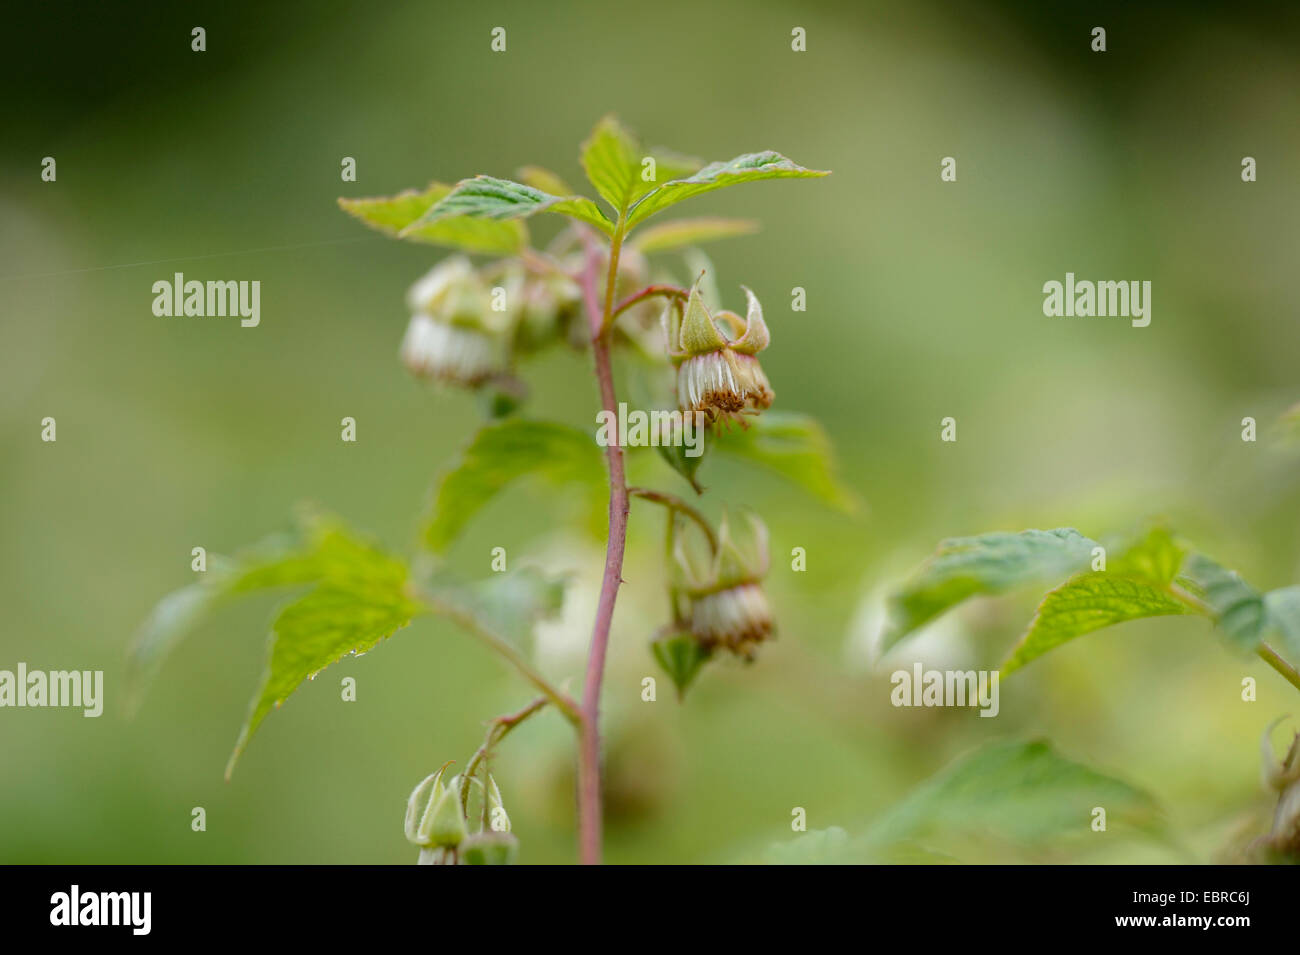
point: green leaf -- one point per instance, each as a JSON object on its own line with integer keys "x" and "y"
{"x": 1022, "y": 792}
{"x": 1283, "y": 616}
{"x": 500, "y": 454}
{"x": 172, "y": 619}
{"x": 1238, "y": 608}
{"x": 986, "y": 564}
{"x": 284, "y": 560}
{"x": 750, "y": 167}
{"x": 361, "y": 600}
{"x": 682, "y": 232}
{"x": 1086, "y": 603}
{"x": 681, "y": 657}
{"x": 1154, "y": 557}
{"x": 501, "y": 200}
{"x": 361, "y": 595}
{"x": 794, "y": 446}
{"x": 613, "y": 159}
{"x": 1017, "y": 795}
{"x": 1135, "y": 585}
{"x": 395, "y": 216}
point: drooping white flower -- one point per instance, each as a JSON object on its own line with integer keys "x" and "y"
{"x": 453, "y": 336}
{"x": 718, "y": 375}
{"x": 449, "y": 353}
{"x": 728, "y": 606}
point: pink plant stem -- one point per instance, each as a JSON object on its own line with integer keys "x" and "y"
{"x": 589, "y": 769}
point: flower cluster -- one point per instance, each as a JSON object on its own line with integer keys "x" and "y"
{"x": 436, "y": 822}
{"x": 470, "y": 325}
{"x": 467, "y": 325}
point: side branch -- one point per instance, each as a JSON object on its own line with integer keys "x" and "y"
{"x": 506, "y": 649}
{"x": 498, "y": 729}
{"x": 1274, "y": 659}
{"x": 675, "y": 503}
{"x": 650, "y": 291}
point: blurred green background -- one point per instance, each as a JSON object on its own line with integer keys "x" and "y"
{"x": 924, "y": 300}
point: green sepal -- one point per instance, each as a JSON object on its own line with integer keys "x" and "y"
{"x": 681, "y": 657}
{"x": 699, "y": 335}
{"x": 443, "y": 823}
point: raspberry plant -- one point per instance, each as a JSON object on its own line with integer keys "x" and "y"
{"x": 591, "y": 288}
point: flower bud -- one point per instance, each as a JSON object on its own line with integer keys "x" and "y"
{"x": 421, "y": 797}
{"x": 717, "y": 374}
{"x": 444, "y": 823}
{"x": 728, "y": 606}
{"x": 433, "y": 813}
